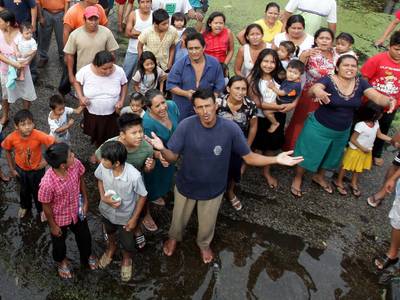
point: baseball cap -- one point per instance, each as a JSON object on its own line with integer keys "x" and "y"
{"x": 91, "y": 11}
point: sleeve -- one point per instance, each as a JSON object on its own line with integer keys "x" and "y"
{"x": 99, "y": 172}
{"x": 34, "y": 45}
{"x": 53, "y": 125}
{"x": 143, "y": 36}
{"x": 136, "y": 77}
{"x": 326, "y": 81}
{"x": 70, "y": 46}
{"x": 69, "y": 110}
{"x": 177, "y": 141}
{"x": 139, "y": 187}
{"x": 68, "y": 18}
{"x": 160, "y": 73}
{"x": 219, "y": 80}
{"x": 45, "y": 193}
{"x": 397, "y": 15}
{"x": 32, "y": 3}
{"x": 253, "y": 110}
{"x": 359, "y": 127}
{"x": 332, "y": 13}
{"x": 8, "y": 144}
{"x": 80, "y": 76}
{"x": 292, "y": 5}
{"x": 112, "y": 44}
{"x": 103, "y": 17}
{"x": 175, "y": 75}
{"x": 364, "y": 85}
{"x": 370, "y": 67}
{"x": 81, "y": 168}
{"x": 46, "y": 139}
{"x": 239, "y": 142}
{"x": 123, "y": 79}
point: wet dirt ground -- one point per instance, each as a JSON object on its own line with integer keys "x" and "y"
{"x": 277, "y": 247}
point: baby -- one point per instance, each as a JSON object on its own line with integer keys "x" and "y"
{"x": 26, "y": 48}
{"x": 285, "y": 52}
{"x": 344, "y": 42}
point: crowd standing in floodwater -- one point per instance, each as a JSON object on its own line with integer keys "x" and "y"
{"x": 296, "y": 87}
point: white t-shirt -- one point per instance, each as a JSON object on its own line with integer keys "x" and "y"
{"x": 25, "y": 46}
{"x": 148, "y": 82}
{"x": 314, "y": 12}
{"x": 367, "y": 135}
{"x": 268, "y": 95}
{"x": 128, "y": 109}
{"x": 172, "y": 6}
{"x": 62, "y": 121}
{"x": 102, "y": 91}
{"x": 305, "y": 45}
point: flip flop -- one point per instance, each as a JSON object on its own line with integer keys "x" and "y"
{"x": 384, "y": 262}
{"x": 327, "y": 188}
{"x": 159, "y": 202}
{"x": 140, "y": 241}
{"x": 373, "y": 202}
{"x": 340, "y": 189}
{"x": 64, "y": 272}
{"x": 355, "y": 191}
{"x": 104, "y": 261}
{"x": 149, "y": 225}
{"x": 92, "y": 263}
{"x": 295, "y": 192}
{"x": 126, "y": 272}
{"x": 236, "y": 204}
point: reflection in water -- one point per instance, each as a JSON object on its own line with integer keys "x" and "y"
{"x": 254, "y": 262}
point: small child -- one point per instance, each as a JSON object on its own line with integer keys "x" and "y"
{"x": 225, "y": 70}
{"x": 358, "y": 156}
{"x": 286, "y": 51}
{"x": 28, "y": 165}
{"x": 123, "y": 196}
{"x": 178, "y": 20}
{"x": 148, "y": 75}
{"x": 289, "y": 90}
{"x": 136, "y": 105}
{"x": 344, "y": 42}
{"x": 26, "y": 48}
{"x": 61, "y": 190}
{"x": 180, "y": 49}
{"x": 58, "y": 118}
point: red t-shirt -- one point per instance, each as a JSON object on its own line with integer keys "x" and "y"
{"x": 397, "y": 14}
{"x": 217, "y": 45}
{"x": 383, "y": 74}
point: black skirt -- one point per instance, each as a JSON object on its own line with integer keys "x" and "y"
{"x": 100, "y": 128}
{"x": 265, "y": 141}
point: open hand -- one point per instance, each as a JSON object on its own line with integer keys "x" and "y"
{"x": 322, "y": 97}
{"x": 149, "y": 164}
{"x": 285, "y": 159}
{"x": 155, "y": 141}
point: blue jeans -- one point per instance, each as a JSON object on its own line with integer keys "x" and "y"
{"x": 52, "y": 21}
{"x": 130, "y": 62}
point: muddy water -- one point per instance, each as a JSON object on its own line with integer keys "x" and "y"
{"x": 253, "y": 262}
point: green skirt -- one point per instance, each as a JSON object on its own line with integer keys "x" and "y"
{"x": 320, "y": 146}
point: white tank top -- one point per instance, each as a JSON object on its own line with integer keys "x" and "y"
{"x": 140, "y": 25}
{"x": 248, "y": 64}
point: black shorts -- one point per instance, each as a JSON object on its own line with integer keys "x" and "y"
{"x": 396, "y": 160}
{"x": 126, "y": 238}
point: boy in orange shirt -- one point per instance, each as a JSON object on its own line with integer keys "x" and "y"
{"x": 28, "y": 165}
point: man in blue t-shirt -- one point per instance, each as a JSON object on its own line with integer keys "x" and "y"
{"x": 205, "y": 142}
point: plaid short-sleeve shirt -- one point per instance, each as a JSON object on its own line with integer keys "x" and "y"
{"x": 62, "y": 193}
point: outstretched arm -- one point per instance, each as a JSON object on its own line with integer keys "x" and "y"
{"x": 157, "y": 144}
{"x": 283, "y": 158}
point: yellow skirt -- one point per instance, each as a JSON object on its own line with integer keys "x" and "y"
{"x": 357, "y": 161}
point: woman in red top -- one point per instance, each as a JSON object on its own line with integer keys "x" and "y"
{"x": 219, "y": 39}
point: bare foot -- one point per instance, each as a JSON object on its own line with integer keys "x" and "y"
{"x": 378, "y": 161}
{"x": 169, "y": 247}
{"x": 273, "y": 127}
{"x": 272, "y": 181}
{"x": 207, "y": 255}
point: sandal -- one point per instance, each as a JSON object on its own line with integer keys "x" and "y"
{"x": 159, "y": 202}
{"x": 327, "y": 188}
{"x": 140, "y": 241}
{"x": 295, "y": 192}
{"x": 340, "y": 189}
{"x": 149, "y": 225}
{"x": 64, "y": 272}
{"x": 236, "y": 204}
{"x": 355, "y": 191}
{"x": 104, "y": 261}
{"x": 385, "y": 261}
{"x": 373, "y": 202}
{"x": 92, "y": 263}
{"x": 126, "y": 272}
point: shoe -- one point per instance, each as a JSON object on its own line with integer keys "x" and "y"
{"x": 42, "y": 62}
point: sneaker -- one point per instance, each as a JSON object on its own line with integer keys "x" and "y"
{"x": 22, "y": 212}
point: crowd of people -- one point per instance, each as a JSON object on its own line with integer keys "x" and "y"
{"x": 295, "y": 87}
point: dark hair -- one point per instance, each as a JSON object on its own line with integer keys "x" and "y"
{"x": 203, "y": 94}
{"x": 22, "y": 115}
{"x": 249, "y": 28}
{"x": 136, "y": 97}
{"x": 289, "y": 46}
{"x": 8, "y": 16}
{"x": 296, "y": 64}
{"x": 178, "y": 16}
{"x": 102, "y": 58}
{"x": 25, "y": 25}
{"x": 236, "y": 78}
{"x": 322, "y": 30}
{"x": 128, "y": 120}
{"x": 147, "y": 55}
{"x": 149, "y": 96}
{"x": 56, "y": 155}
{"x": 295, "y": 19}
{"x": 214, "y": 15}
{"x": 395, "y": 38}
{"x": 114, "y": 151}
{"x": 342, "y": 58}
{"x": 159, "y": 16}
{"x": 256, "y": 73}
{"x": 345, "y": 37}
{"x": 56, "y": 100}
{"x": 370, "y": 112}
{"x": 196, "y": 36}
{"x": 188, "y": 31}
{"x": 272, "y": 4}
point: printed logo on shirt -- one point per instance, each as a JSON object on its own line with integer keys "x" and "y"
{"x": 292, "y": 93}
{"x": 217, "y": 150}
{"x": 388, "y": 85}
{"x": 170, "y": 8}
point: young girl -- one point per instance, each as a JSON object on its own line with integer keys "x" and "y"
{"x": 358, "y": 156}
{"x": 219, "y": 39}
{"x": 286, "y": 51}
{"x": 247, "y": 54}
{"x": 148, "y": 74}
{"x": 178, "y": 20}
